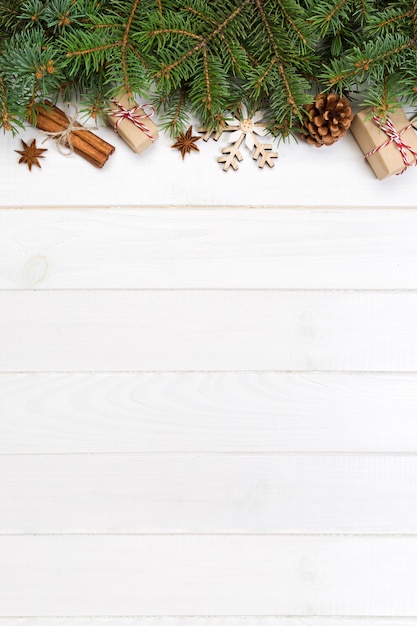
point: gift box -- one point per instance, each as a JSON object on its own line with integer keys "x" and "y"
{"x": 132, "y": 122}
{"x": 389, "y": 146}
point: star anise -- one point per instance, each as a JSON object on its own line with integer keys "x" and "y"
{"x": 185, "y": 142}
{"x": 31, "y": 154}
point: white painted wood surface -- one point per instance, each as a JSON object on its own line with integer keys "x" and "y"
{"x": 208, "y": 392}
{"x": 211, "y": 574}
{"x": 184, "y": 330}
{"x": 60, "y": 413}
{"x": 201, "y": 493}
{"x": 214, "y": 248}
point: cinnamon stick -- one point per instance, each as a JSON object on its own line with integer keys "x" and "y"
{"x": 54, "y": 113}
{"x": 81, "y": 147}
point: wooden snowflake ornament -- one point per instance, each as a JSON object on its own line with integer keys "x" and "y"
{"x": 243, "y": 130}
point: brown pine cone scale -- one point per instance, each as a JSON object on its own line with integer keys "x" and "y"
{"x": 327, "y": 119}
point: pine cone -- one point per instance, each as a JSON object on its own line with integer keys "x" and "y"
{"x": 328, "y": 119}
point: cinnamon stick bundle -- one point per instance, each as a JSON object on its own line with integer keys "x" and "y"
{"x": 95, "y": 150}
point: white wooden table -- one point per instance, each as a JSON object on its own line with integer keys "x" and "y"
{"x": 208, "y": 391}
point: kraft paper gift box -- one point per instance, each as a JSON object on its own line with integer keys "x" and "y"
{"x": 386, "y": 160}
{"x": 137, "y": 129}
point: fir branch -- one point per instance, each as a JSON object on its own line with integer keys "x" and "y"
{"x": 392, "y": 21}
{"x": 174, "y": 112}
{"x": 176, "y": 31}
{"x": 176, "y": 117}
{"x": 414, "y": 19}
{"x": 30, "y": 111}
{"x": 98, "y": 26}
{"x": 139, "y": 56}
{"x": 87, "y": 51}
{"x": 124, "y": 47}
{"x": 336, "y": 8}
{"x": 331, "y": 18}
{"x": 207, "y": 99}
{"x": 262, "y": 79}
{"x": 206, "y": 57}
{"x": 267, "y": 28}
{"x": 383, "y": 97}
{"x": 5, "y": 115}
{"x": 388, "y": 21}
{"x": 223, "y": 38}
{"x": 359, "y": 62}
{"x": 31, "y": 11}
{"x": 292, "y": 23}
{"x": 166, "y": 69}
{"x": 276, "y": 60}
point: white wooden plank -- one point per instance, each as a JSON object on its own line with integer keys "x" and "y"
{"x": 211, "y": 248}
{"x": 207, "y": 330}
{"x": 210, "y": 620}
{"x": 207, "y": 575}
{"x": 159, "y": 176}
{"x": 208, "y": 412}
{"x": 208, "y": 494}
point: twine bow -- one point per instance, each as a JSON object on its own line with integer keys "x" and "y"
{"x": 394, "y": 136}
{"x": 63, "y": 137}
{"x": 121, "y": 113}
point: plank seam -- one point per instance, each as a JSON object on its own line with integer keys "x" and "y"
{"x": 389, "y": 290}
{"x": 216, "y": 371}
{"x": 103, "y": 617}
{"x": 367, "y": 535}
{"x": 221, "y": 453}
{"x": 209, "y": 208}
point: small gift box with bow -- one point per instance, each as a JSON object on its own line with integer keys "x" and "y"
{"x": 132, "y": 122}
{"x": 389, "y": 146}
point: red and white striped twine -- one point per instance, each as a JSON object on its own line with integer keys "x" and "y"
{"x": 133, "y": 116}
{"x": 394, "y": 136}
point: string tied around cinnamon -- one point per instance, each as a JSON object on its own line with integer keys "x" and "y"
{"x": 63, "y": 137}
{"x": 134, "y": 116}
{"x": 394, "y": 135}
